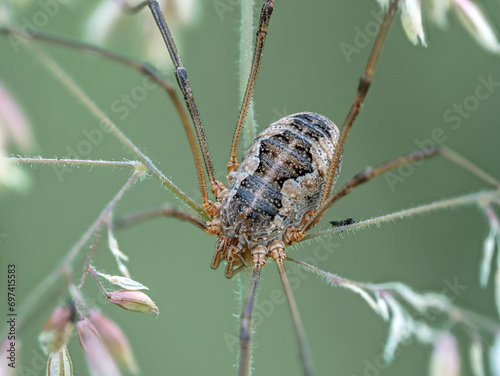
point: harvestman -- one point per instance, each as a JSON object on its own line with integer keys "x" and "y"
{"x": 283, "y": 185}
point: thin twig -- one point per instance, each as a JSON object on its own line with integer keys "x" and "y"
{"x": 86, "y": 162}
{"x": 469, "y": 166}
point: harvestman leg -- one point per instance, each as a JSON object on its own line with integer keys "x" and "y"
{"x": 233, "y": 165}
{"x": 364, "y": 176}
{"x": 162, "y": 211}
{"x": 143, "y": 68}
{"x": 278, "y": 253}
{"x": 181, "y": 75}
{"x": 265, "y": 17}
{"x": 370, "y": 172}
{"x": 364, "y": 85}
{"x": 246, "y": 324}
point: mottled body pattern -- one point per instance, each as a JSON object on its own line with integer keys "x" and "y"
{"x": 281, "y": 178}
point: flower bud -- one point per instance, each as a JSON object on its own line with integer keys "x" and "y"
{"x": 98, "y": 357}
{"x": 131, "y": 300}
{"x": 477, "y": 24}
{"x": 58, "y": 328}
{"x": 114, "y": 340}
{"x": 59, "y": 363}
{"x": 445, "y": 358}
{"x": 411, "y": 17}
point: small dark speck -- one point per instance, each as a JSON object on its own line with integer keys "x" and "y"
{"x": 345, "y": 222}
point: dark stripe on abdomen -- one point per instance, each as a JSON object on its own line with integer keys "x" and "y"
{"x": 314, "y": 123}
{"x": 293, "y": 150}
{"x": 261, "y": 196}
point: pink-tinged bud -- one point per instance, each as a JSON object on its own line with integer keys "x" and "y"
{"x": 59, "y": 363}
{"x": 133, "y": 301}
{"x": 9, "y": 350}
{"x": 58, "y": 328}
{"x": 114, "y": 339}
{"x": 98, "y": 357}
{"x": 475, "y": 21}
{"x": 445, "y": 360}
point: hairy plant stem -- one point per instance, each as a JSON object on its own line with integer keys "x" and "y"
{"x": 135, "y": 165}
{"x": 471, "y": 198}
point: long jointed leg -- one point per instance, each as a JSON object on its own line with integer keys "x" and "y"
{"x": 162, "y": 211}
{"x": 140, "y": 66}
{"x": 370, "y": 172}
{"x": 278, "y": 254}
{"x": 246, "y": 325}
{"x": 182, "y": 80}
{"x": 364, "y": 176}
{"x": 265, "y": 16}
{"x": 364, "y": 85}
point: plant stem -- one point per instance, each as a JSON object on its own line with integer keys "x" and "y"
{"x": 85, "y": 162}
{"x": 472, "y": 198}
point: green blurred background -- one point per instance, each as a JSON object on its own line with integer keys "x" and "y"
{"x": 303, "y": 69}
